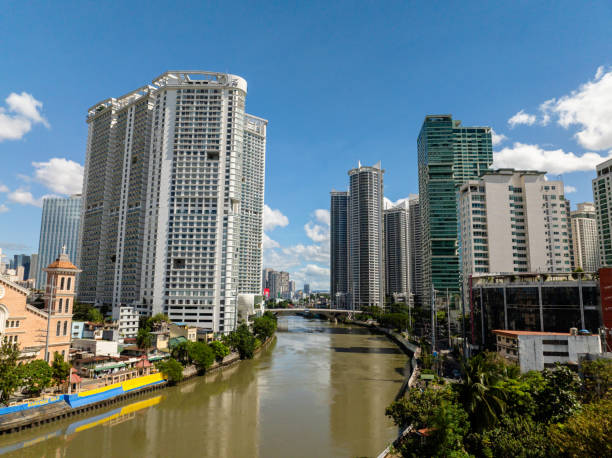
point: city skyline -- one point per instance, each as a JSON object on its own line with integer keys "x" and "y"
{"x": 547, "y": 119}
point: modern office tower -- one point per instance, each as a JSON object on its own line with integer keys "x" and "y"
{"x": 59, "y": 228}
{"x": 265, "y": 278}
{"x": 365, "y": 228}
{"x": 279, "y": 284}
{"x": 449, "y": 155}
{"x": 415, "y": 249}
{"x": 163, "y": 224}
{"x": 21, "y": 263}
{"x": 602, "y": 196}
{"x": 306, "y": 288}
{"x": 291, "y": 288}
{"x": 250, "y": 253}
{"x": 514, "y": 221}
{"x": 397, "y": 249}
{"x": 339, "y": 269}
{"x": 33, "y": 268}
{"x": 584, "y": 237}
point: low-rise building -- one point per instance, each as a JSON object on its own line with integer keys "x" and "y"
{"x": 128, "y": 321}
{"x": 539, "y": 350}
{"x": 97, "y": 347}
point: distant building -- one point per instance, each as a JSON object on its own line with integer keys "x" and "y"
{"x": 449, "y": 154}
{"x": 602, "y": 197}
{"x": 21, "y": 264}
{"x": 544, "y": 302}
{"x": 397, "y": 250}
{"x": 536, "y": 351}
{"x": 415, "y": 249}
{"x": 584, "y": 237}
{"x": 278, "y": 284}
{"x": 306, "y": 288}
{"x": 514, "y": 221}
{"x": 33, "y": 268}
{"x": 291, "y": 288}
{"x": 59, "y": 227}
{"x": 339, "y": 263}
{"x": 97, "y": 347}
{"x": 365, "y": 230}
{"x": 265, "y": 278}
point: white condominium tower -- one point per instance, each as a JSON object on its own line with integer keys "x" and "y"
{"x": 584, "y": 238}
{"x": 602, "y": 195}
{"x": 514, "y": 221}
{"x": 365, "y": 230}
{"x": 173, "y": 199}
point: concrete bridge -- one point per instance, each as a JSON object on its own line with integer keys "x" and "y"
{"x": 330, "y": 313}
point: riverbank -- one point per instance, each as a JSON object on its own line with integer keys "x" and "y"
{"x": 29, "y": 415}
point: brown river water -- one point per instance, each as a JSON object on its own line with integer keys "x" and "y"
{"x": 319, "y": 390}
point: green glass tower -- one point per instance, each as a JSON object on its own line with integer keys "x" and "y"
{"x": 449, "y": 155}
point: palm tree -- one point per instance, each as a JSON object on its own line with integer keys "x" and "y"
{"x": 144, "y": 340}
{"x": 481, "y": 391}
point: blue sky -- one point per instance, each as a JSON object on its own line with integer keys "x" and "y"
{"x": 338, "y": 81}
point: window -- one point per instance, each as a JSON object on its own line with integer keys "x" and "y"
{"x": 57, "y": 333}
{"x": 67, "y": 305}
{"x": 62, "y": 283}
{"x": 68, "y": 283}
{"x": 59, "y": 309}
{"x": 65, "y": 327}
{"x": 556, "y": 353}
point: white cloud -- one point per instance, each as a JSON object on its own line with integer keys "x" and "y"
{"x": 388, "y": 203}
{"x": 24, "y": 197}
{"x": 316, "y": 232}
{"x": 3, "y": 208}
{"x": 522, "y": 118}
{"x": 569, "y": 189}
{"x": 274, "y": 218}
{"x": 60, "y": 175}
{"x": 268, "y": 243}
{"x": 23, "y": 111}
{"x": 4, "y": 188}
{"x": 590, "y": 108}
{"x": 322, "y": 216}
{"x": 533, "y": 157}
{"x": 496, "y": 138}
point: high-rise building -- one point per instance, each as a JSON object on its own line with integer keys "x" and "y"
{"x": 584, "y": 237}
{"x": 306, "y": 288}
{"x": 415, "y": 249}
{"x": 278, "y": 284}
{"x": 265, "y": 278}
{"x": 514, "y": 221}
{"x": 291, "y": 288}
{"x": 397, "y": 249}
{"x": 33, "y": 268}
{"x": 21, "y": 263}
{"x": 449, "y": 154}
{"x": 339, "y": 269}
{"x": 602, "y": 196}
{"x": 59, "y": 228}
{"x": 250, "y": 253}
{"x": 365, "y": 229}
{"x": 173, "y": 199}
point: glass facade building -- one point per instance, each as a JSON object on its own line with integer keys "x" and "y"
{"x": 449, "y": 154}
{"x": 59, "y": 227}
{"x": 532, "y": 302}
{"x": 339, "y": 274}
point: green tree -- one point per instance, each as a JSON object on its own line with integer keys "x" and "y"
{"x": 264, "y": 327}
{"x": 87, "y": 312}
{"x": 219, "y": 349}
{"x": 201, "y": 355}
{"x": 449, "y": 426}
{"x": 597, "y": 379}
{"x": 10, "y": 374}
{"x": 149, "y": 323}
{"x": 61, "y": 368}
{"x": 418, "y": 406}
{"x": 37, "y": 375}
{"x": 587, "y": 433}
{"x": 558, "y": 400}
{"x": 481, "y": 391}
{"x": 95, "y": 316}
{"x": 244, "y": 342}
{"x": 144, "y": 340}
{"x": 180, "y": 352}
{"x": 171, "y": 370}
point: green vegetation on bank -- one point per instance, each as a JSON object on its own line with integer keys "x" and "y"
{"x": 32, "y": 377}
{"x": 497, "y": 412}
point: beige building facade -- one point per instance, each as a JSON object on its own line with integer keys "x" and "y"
{"x": 584, "y": 238}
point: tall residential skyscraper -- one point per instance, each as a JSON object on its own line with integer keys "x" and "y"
{"x": 365, "y": 229}
{"x": 173, "y": 199}
{"x": 514, "y": 221}
{"x": 397, "y": 249}
{"x": 584, "y": 237}
{"x": 339, "y": 271}
{"x": 602, "y": 196}
{"x": 59, "y": 227}
{"x": 449, "y": 154}
{"x": 415, "y": 249}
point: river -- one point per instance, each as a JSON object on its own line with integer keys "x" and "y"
{"x": 319, "y": 390}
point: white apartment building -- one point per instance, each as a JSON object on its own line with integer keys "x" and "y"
{"x": 584, "y": 237}
{"x": 602, "y": 197}
{"x": 128, "y": 321}
{"x": 173, "y": 200}
{"x": 514, "y": 221}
